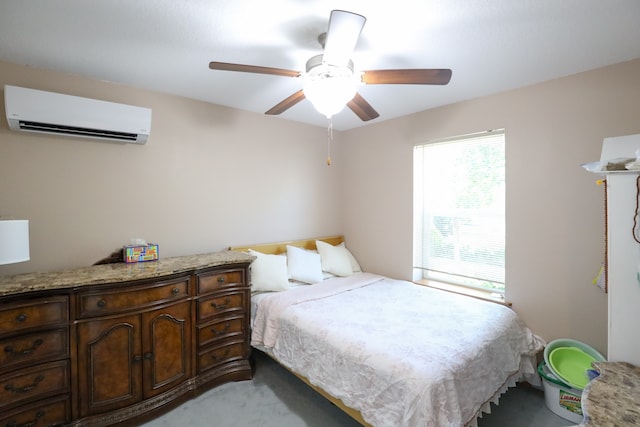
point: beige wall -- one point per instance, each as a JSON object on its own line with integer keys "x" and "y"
{"x": 211, "y": 176}
{"x": 555, "y": 220}
{"x": 208, "y": 177}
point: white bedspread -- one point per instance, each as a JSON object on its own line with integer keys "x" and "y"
{"x": 400, "y": 353}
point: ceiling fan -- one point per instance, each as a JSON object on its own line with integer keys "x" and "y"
{"x": 330, "y": 80}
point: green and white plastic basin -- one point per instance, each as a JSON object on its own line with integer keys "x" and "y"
{"x": 566, "y": 342}
{"x": 570, "y": 364}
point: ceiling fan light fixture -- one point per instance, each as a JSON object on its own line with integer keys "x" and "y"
{"x": 328, "y": 87}
{"x": 329, "y": 95}
{"x": 330, "y": 82}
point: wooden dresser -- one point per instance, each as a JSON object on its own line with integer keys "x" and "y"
{"x": 116, "y": 343}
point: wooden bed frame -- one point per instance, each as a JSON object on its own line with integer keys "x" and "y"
{"x": 281, "y": 247}
{"x": 309, "y": 244}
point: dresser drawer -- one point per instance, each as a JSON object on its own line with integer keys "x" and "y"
{"x": 208, "y": 282}
{"x": 33, "y": 383}
{"x": 224, "y": 303}
{"x": 220, "y": 329}
{"x": 52, "y": 412}
{"x": 34, "y": 347}
{"x": 233, "y": 350}
{"x": 33, "y": 313}
{"x": 118, "y": 300}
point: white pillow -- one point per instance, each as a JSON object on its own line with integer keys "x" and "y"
{"x": 355, "y": 266}
{"x": 268, "y": 272}
{"x": 335, "y": 259}
{"x": 304, "y": 266}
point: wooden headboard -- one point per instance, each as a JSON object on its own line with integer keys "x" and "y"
{"x": 281, "y": 247}
{"x": 309, "y": 244}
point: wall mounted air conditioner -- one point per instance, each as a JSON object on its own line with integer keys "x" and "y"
{"x": 55, "y": 113}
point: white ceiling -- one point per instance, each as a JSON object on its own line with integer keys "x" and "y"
{"x": 166, "y": 45}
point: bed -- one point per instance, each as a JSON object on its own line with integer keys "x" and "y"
{"x": 387, "y": 352}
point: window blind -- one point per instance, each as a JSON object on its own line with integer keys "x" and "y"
{"x": 459, "y": 210}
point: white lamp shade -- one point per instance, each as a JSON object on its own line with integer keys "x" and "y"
{"x": 14, "y": 241}
{"x": 329, "y": 95}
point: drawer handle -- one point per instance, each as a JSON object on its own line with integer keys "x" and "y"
{"x": 221, "y": 306}
{"x": 175, "y": 291}
{"x": 26, "y": 388}
{"x": 9, "y": 349}
{"x": 146, "y": 356}
{"x": 221, "y": 279}
{"x": 21, "y": 318}
{"x": 222, "y": 356}
{"x": 31, "y": 423}
{"x": 102, "y": 303}
{"x": 224, "y": 330}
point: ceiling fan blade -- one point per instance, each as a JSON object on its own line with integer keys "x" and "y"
{"x": 362, "y": 108}
{"x": 226, "y": 66}
{"x": 342, "y": 37}
{"x": 287, "y": 103}
{"x": 407, "y": 77}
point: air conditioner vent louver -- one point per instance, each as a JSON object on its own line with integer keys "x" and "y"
{"x": 70, "y": 130}
{"x": 33, "y": 110}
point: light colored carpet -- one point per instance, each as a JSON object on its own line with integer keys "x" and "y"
{"x": 276, "y": 398}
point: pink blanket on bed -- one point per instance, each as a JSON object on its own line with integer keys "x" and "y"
{"x": 401, "y": 354}
{"x": 267, "y": 316}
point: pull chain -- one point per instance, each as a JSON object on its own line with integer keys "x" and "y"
{"x": 329, "y": 139}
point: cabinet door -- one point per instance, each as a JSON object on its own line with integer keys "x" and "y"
{"x": 109, "y": 364}
{"x": 167, "y": 347}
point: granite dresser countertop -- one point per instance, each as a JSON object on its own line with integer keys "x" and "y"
{"x": 613, "y": 398}
{"x": 117, "y": 272}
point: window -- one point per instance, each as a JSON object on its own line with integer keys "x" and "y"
{"x": 459, "y": 211}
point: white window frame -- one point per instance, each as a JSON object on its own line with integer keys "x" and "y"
{"x": 459, "y": 281}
